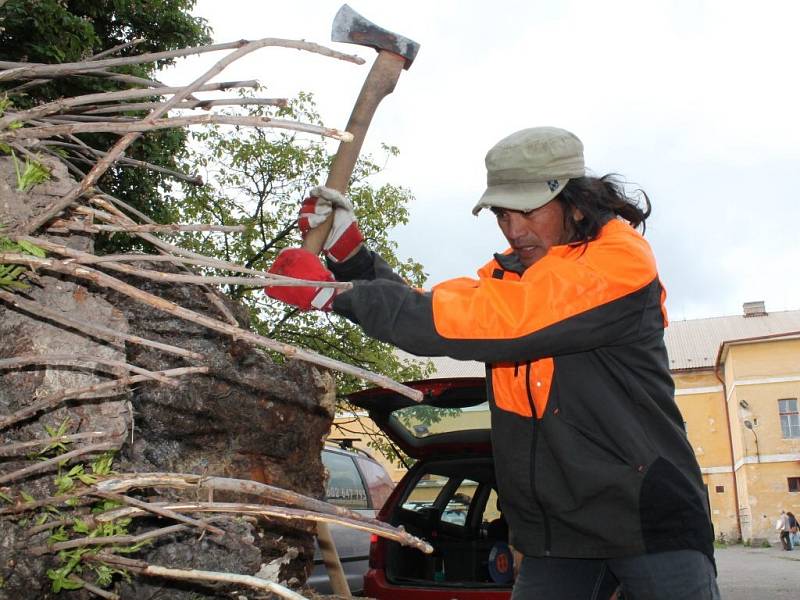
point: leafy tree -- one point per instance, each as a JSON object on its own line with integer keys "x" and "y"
{"x": 57, "y": 31}
{"x": 257, "y": 178}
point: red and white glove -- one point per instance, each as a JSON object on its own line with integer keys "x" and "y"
{"x": 345, "y": 237}
{"x": 302, "y": 264}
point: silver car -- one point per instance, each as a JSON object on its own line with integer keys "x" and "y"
{"x": 358, "y": 482}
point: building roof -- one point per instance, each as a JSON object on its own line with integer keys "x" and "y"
{"x": 691, "y": 344}
{"x": 695, "y": 343}
{"x": 450, "y": 367}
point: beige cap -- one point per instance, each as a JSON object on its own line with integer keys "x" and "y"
{"x": 529, "y": 168}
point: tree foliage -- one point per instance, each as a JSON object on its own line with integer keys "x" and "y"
{"x": 58, "y": 31}
{"x": 257, "y": 178}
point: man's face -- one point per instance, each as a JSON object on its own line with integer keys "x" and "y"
{"x": 531, "y": 233}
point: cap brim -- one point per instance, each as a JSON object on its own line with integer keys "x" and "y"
{"x": 519, "y": 196}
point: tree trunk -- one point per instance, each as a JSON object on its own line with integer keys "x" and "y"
{"x": 247, "y": 418}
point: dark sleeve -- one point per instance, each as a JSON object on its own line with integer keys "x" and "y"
{"x": 365, "y": 264}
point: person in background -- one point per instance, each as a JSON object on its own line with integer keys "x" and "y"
{"x": 784, "y": 526}
{"x": 598, "y": 481}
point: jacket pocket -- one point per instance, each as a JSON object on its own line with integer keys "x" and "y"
{"x": 593, "y": 440}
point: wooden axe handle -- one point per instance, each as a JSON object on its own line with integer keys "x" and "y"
{"x": 379, "y": 83}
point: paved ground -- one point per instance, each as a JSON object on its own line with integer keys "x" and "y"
{"x": 758, "y": 573}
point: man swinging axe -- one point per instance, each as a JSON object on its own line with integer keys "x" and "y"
{"x": 596, "y": 477}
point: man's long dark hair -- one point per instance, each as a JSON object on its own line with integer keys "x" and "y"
{"x": 600, "y": 199}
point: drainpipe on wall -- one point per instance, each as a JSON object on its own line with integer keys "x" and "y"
{"x": 730, "y": 442}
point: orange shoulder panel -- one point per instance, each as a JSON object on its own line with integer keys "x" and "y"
{"x": 566, "y": 282}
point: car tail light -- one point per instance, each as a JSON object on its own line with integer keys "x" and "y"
{"x": 377, "y": 552}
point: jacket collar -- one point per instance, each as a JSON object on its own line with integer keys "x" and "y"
{"x": 510, "y": 262}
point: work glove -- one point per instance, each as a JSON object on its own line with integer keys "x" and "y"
{"x": 345, "y": 237}
{"x": 302, "y": 264}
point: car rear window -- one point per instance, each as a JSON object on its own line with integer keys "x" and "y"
{"x": 422, "y": 421}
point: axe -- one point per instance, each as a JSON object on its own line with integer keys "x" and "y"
{"x": 395, "y": 53}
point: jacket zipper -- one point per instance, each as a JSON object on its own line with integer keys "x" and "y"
{"x": 534, "y": 438}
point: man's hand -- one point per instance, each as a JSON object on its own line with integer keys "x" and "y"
{"x": 345, "y": 237}
{"x": 302, "y": 264}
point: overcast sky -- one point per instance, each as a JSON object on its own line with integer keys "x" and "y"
{"x": 695, "y": 102}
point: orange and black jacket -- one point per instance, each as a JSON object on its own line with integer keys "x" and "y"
{"x": 590, "y": 450}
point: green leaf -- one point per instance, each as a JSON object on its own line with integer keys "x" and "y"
{"x": 75, "y": 471}
{"x": 58, "y": 535}
{"x": 80, "y": 526}
{"x": 33, "y": 174}
{"x": 27, "y": 497}
{"x": 87, "y": 479}
{"x": 40, "y": 253}
{"x": 105, "y": 575}
{"x": 102, "y": 464}
{"x": 6, "y": 498}
{"x": 64, "y": 483}
{"x": 105, "y": 506}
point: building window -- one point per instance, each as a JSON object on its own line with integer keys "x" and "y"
{"x": 794, "y": 484}
{"x": 720, "y": 489}
{"x": 790, "y": 418}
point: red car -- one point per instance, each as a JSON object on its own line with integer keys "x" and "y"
{"x": 449, "y": 497}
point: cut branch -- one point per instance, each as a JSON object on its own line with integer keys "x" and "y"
{"x": 126, "y": 481}
{"x": 152, "y": 124}
{"x": 143, "y": 568}
{"x": 104, "y": 280}
{"x": 60, "y": 459}
{"x": 106, "y": 540}
{"x": 124, "y": 160}
{"x": 371, "y": 526}
{"x": 49, "y": 501}
{"x": 97, "y": 591}
{"x": 188, "y": 105}
{"x": 78, "y": 360}
{"x": 117, "y": 49}
{"x": 66, "y": 225}
{"x": 163, "y": 511}
{"x": 268, "y": 279}
{"x": 65, "y": 103}
{"x": 17, "y": 70}
{"x": 18, "y": 448}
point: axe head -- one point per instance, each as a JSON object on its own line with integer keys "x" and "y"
{"x": 351, "y": 28}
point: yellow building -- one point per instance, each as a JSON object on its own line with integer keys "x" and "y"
{"x": 737, "y": 383}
